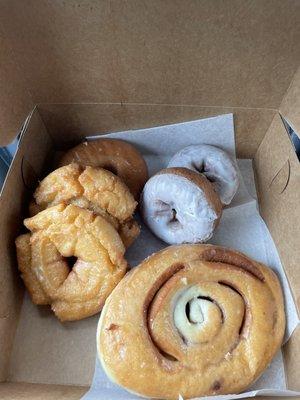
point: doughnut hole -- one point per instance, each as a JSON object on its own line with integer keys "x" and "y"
{"x": 198, "y": 167}
{"x": 166, "y": 209}
{"x": 70, "y": 261}
{"x": 111, "y": 168}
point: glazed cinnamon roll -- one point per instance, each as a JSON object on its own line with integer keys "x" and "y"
{"x": 191, "y": 320}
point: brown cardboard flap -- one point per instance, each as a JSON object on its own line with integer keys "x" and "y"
{"x": 29, "y": 391}
{"x": 206, "y": 53}
{"x": 277, "y": 172}
{"x": 290, "y": 106}
{"x": 70, "y": 123}
{"x": 13, "y": 208}
{"x": 15, "y": 100}
{"x": 291, "y": 353}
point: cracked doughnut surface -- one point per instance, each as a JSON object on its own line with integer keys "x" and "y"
{"x": 191, "y": 320}
{"x": 180, "y": 206}
{"x": 212, "y": 162}
{"x": 95, "y": 189}
{"x": 69, "y": 231}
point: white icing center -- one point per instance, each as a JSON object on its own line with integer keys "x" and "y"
{"x": 214, "y": 163}
{"x": 176, "y": 210}
{"x": 197, "y": 319}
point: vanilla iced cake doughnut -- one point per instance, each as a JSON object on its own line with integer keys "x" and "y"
{"x": 180, "y": 206}
{"x": 212, "y": 162}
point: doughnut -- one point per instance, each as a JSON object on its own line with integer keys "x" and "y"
{"x": 191, "y": 320}
{"x": 36, "y": 292}
{"x": 70, "y": 231}
{"x": 180, "y": 206}
{"x": 95, "y": 189}
{"x": 212, "y": 162}
{"x": 115, "y": 155}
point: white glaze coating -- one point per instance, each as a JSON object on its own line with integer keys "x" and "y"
{"x": 214, "y": 163}
{"x": 176, "y": 209}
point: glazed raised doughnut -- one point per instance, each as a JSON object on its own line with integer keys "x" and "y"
{"x": 95, "y": 189}
{"x": 214, "y": 163}
{"x": 180, "y": 206}
{"x": 70, "y": 231}
{"x": 117, "y": 156}
{"x": 191, "y": 320}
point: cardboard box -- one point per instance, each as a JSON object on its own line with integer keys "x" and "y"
{"x": 90, "y": 67}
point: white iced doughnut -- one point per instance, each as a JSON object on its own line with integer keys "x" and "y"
{"x": 214, "y": 163}
{"x": 180, "y": 206}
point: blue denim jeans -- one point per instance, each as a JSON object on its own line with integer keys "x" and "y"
{"x": 6, "y": 155}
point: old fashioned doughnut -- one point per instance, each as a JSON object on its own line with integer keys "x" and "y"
{"x": 214, "y": 163}
{"x": 180, "y": 206}
{"x": 191, "y": 320}
{"x": 95, "y": 189}
{"x": 70, "y": 231}
{"x": 35, "y": 289}
{"x": 118, "y": 156}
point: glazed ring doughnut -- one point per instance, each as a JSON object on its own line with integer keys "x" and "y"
{"x": 70, "y": 231}
{"x": 95, "y": 189}
{"x": 37, "y": 294}
{"x": 180, "y": 206}
{"x": 117, "y": 156}
{"x": 214, "y": 163}
{"x": 128, "y": 230}
{"x": 191, "y": 320}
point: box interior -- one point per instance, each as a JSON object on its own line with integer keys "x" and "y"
{"x": 30, "y": 164}
{"x": 107, "y": 66}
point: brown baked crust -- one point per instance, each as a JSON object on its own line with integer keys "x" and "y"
{"x": 116, "y": 155}
{"x": 129, "y": 231}
{"x": 140, "y": 339}
{"x": 70, "y": 231}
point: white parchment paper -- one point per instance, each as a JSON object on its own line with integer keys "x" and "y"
{"x": 241, "y": 228}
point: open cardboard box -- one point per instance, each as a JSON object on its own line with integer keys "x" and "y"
{"x": 90, "y": 67}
